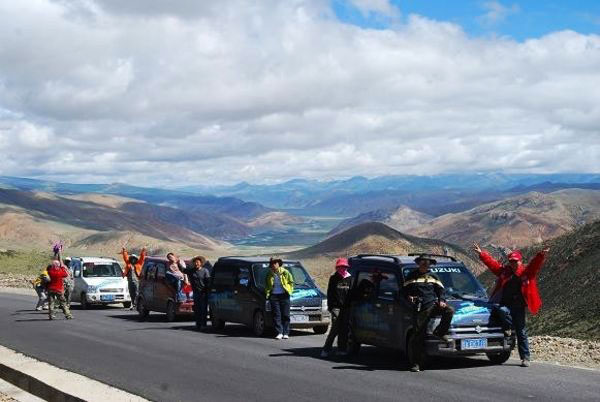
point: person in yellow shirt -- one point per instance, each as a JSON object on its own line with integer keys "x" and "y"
{"x": 39, "y": 284}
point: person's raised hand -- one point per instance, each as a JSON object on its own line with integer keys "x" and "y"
{"x": 477, "y": 248}
{"x": 545, "y": 250}
{"x": 442, "y": 304}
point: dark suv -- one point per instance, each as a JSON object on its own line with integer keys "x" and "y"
{"x": 381, "y": 315}
{"x": 238, "y": 295}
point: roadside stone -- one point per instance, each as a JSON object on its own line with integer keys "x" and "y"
{"x": 559, "y": 350}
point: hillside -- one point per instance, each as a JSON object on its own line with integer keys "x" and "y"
{"x": 568, "y": 285}
{"x": 517, "y": 221}
{"x": 401, "y": 218}
{"x": 374, "y": 238}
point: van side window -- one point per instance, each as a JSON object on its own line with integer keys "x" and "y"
{"x": 161, "y": 271}
{"x": 388, "y": 286}
{"x": 76, "y": 269}
{"x": 243, "y": 276}
{"x": 365, "y": 286}
{"x": 224, "y": 275}
{"x": 151, "y": 271}
{"x": 260, "y": 272}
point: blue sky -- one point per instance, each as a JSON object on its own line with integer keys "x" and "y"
{"x": 517, "y": 19}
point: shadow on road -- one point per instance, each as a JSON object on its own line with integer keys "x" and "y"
{"x": 377, "y": 359}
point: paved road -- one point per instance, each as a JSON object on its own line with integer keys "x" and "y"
{"x": 170, "y": 361}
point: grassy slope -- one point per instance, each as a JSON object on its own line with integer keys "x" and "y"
{"x": 569, "y": 284}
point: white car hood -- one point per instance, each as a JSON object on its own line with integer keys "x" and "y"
{"x": 103, "y": 282}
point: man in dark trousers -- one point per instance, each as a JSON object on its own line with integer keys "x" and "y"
{"x": 338, "y": 291}
{"x": 133, "y": 270}
{"x": 516, "y": 289}
{"x": 426, "y": 292}
{"x": 199, "y": 278}
{"x": 56, "y": 288}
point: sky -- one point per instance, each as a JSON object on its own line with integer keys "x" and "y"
{"x": 160, "y": 93}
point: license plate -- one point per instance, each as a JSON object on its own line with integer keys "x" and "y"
{"x": 478, "y": 343}
{"x": 299, "y": 318}
{"x": 107, "y": 297}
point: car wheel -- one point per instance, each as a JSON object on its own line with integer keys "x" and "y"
{"x": 353, "y": 345}
{"x": 84, "y": 303}
{"x": 171, "y": 311}
{"x": 498, "y": 358}
{"x": 143, "y": 312}
{"x": 126, "y": 304}
{"x": 258, "y": 323}
{"x": 216, "y": 322}
{"x": 320, "y": 329}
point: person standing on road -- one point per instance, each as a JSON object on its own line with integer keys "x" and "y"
{"x": 426, "y": 292}
{"x": 338, "y": 290}
{"x": 69, "y": 281}
{"x": 515, "y": 289}
{"x": 133, "y": 270}
{"x": 279, "y": 286}
{"x": 175, "y": 275}
{"x": 40, "y": 285}
{"x": 56, "y": 288}
{"x": 199, "y": 277}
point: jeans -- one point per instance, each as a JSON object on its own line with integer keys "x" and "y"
{"x": 58, "y": 298}
{"x": 421, "y": 321}
{"x": 133, "y": 290}
{"x": 200, "y": 305}
{"x": 280, "y": 304}
{"x": 42, "y": 298}
{"x": 514, "y": 317}
{"x": 339, "y": 329}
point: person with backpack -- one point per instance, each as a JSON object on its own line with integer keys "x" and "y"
{"x": 199, "y": 278}
{"x": 279, "y": 286}
{"x": 515, "y": 289}
{"x": 56, "y": 288}
{"x": 133, "y": 270}
{"x": 338, "y": 292}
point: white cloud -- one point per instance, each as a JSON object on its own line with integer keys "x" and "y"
{"x": 379, "y": 6}
{"x": 497, "y": 12}
{"x": 233, "y": 90}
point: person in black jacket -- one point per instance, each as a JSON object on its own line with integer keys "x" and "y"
{"x": 426, "y": 292}
{"x": 199, "y": 278}
{"x": 338, "y": 291}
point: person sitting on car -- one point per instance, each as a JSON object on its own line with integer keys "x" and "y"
{"x": 133, "y": 270}
{"x": 426, "y": 291}
{"x": 338, "y": 291}
{"x": 279, "y": 286}
{"x": 199, "y": 277}
{"x": 175, "y": 276}
{"x": 515, "y": 289}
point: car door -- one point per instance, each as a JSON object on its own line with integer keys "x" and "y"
{"x": 387, "y": 312}
{"x": 163, "y": 291}
{"x": 222, "y": 289}
{"x": 147, "y": 288}
{"x": 77, "y": 281}
{"x": 245, "y": 300}
{"x": 362, "y": 312}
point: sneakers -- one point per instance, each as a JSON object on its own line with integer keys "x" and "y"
{"x": 69, "y": 317}
{"x": 132, "y": 307}
{"x": 279, "y": 337}
{"x": 525, "y": 363}
{"x": 39, "y": 308}
{"x": 286, "y": 337}
{"x": 415, "y": 368}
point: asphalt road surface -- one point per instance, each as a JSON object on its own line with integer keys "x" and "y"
{"x": 172, "y": 362}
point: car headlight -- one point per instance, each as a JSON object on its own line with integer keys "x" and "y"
{"x": 324, "y": 304}
{"x": 92, "y": 289}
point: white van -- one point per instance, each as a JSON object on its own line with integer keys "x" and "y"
{"x": 98, "y": 280}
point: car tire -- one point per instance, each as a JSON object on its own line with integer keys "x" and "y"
{"x": 320, "y": 329}
{"x": 498, "y": 358}
{"x": 216, "y": 323}
{"x": 143, "y": 312}
{"x": 258, "y": 323}
{"x": 83, "y": 301}
{"x": 171, "y": 311}
{"x": 126, "y": 304}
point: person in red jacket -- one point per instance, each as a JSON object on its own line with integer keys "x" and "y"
{"x": 56, "y": 288}
{"x": 515, "y": 289}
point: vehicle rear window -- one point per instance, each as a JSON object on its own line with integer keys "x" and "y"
{"x": 92, "y": 270}
{"x": 456, "y": 279}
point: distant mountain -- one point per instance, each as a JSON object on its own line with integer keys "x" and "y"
{"x": 517, "y": 221}
{"x": 31, "y": 217}
{"x": 373, "y": 238}
{"x": 301, "y": 194}
{"x": 401, "y": 218}
{"x": 568, "y": 285}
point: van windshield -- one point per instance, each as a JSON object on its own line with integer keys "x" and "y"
{"x": 92, "y": 270}
{"x": 301, "y": 278}
{"x": 458, "y": 280}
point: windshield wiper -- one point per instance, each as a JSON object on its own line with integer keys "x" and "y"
{"x": 467, "y": 295}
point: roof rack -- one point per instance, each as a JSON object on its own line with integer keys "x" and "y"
{"x": 433, "y": 255}
{"x": 391, "y": 257}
